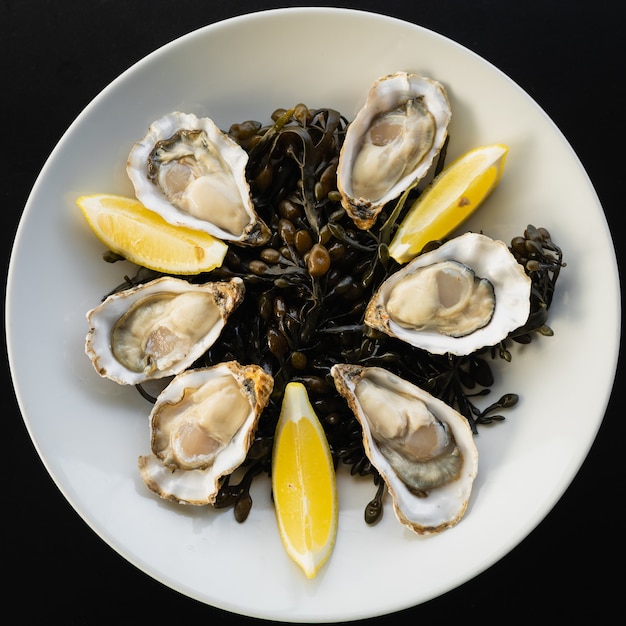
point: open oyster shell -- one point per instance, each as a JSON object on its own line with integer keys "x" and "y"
{"x": 192, "y": 174}
{"x": 159, "y": 328}
{"x": 201, "y": 428}
{"x": 423, "y": 449}
{"x": 391, "y": 143}
{"x": 467, "y": 294}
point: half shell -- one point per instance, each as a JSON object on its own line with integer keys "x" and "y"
{"x": 423, "y": 449}
{"x": 201, "y": 428}
{"x": 391, "y": 143}
{"x": 192, "y": 174}
{"x": 467, "y": 294}
{"x": 159, "y": 328}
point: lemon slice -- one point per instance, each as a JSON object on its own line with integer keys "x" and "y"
{"x": 303, "y": 483}
{"x": 126, "y": 227}
{"x": 449, "y": 199}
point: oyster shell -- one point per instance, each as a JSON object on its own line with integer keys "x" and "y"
{"x": 467, "y": 294}
{"x": 391, "y": 143}
{"x": 423, "y": 449}
{"x": 201, "y": 428}
{"x": 192, "y": 174}
{"x": 159, "y": 328}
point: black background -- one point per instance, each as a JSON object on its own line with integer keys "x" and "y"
{"x": 57, "y": 55}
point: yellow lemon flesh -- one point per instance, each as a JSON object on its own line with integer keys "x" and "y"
{"x": 304, "y": 485}
{"x": 449, "y": 200}
{"x": 127, "y": 228}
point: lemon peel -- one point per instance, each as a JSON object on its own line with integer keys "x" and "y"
{"x": 304, "y": 483}
{"x": 129, "y": 229}
{"x": 449, "y": 200}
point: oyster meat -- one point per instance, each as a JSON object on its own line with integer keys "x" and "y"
{"x": 391, "y": 143}
{"x": 467, "y": 294}
{"x": 201, "y": 428}
{"x": 192, "y": 174}
{"x": 159, "y": 328}
{"x": 423, "y": 449}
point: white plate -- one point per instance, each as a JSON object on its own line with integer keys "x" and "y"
{"x": 89, "y": 432}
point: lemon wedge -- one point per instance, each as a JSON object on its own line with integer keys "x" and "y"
{"x": 449, "y": 200}
{"x": 303, "y": 483}
{"x": 128, "y": 228}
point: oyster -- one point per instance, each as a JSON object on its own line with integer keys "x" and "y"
{"x": 391, "y": 143}
{"x": 159, "y": 328}
{"x": 423, "y": 449}
{"x": 201, "y": 428}
{"x": 192, "y": 174}
{"x": 467, "y": 294}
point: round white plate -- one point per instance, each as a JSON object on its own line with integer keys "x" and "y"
{"x": 89, "y": 431}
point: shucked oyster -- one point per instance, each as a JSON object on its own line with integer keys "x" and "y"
{"x": 159, "y": 328}
{"x": 467, "y": 294}
{"x": 192, "y": 174}
{"x": 391, "y": 143}
{"x": 201, "y": 428}
{"x": 423, "y": 449}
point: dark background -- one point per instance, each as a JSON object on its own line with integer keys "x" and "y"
{"x": 57, "y": 55}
